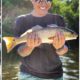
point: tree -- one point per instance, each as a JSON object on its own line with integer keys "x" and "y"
{"x": 70, "y": 10}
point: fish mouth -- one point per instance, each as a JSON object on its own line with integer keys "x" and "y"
{"x": 75, "y": 36}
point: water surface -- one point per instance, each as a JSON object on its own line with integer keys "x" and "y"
{"x": 70, "y": 67}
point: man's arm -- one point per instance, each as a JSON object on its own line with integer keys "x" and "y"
{"x": 24, "y": 50}
{"x": 62, "y": 51}
{"x": 32, "y": 41}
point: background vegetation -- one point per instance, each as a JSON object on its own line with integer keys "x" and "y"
{"x": 67, "y": 8}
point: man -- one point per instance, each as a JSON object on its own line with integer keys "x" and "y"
{"x": 40, "y": 61}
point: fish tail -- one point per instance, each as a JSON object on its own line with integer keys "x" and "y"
{"x": 10, "y": 43}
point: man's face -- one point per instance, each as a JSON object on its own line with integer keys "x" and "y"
{"x": 41, "y": 6}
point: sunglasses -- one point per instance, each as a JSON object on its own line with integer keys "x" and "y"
{"x": 41, "y": 0}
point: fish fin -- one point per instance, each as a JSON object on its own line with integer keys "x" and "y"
{"x": 28, "y": 31}
{"x": 37, "y": 27}
{"x": 10, "y": 43}
{"x": 52, "y": 25}
{"x": 51, "y": 38}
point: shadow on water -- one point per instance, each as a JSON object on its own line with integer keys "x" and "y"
{"x": 70, "y": 65}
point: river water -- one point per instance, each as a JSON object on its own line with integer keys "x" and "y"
{"x": 70, "y": 67}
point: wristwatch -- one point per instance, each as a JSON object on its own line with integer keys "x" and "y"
{"x": 60, "y": 48}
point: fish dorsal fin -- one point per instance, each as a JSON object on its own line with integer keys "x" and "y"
{"x": 52, "y": 25}
{"x": 28, "y": 31}
{"x": 37, "y": 27}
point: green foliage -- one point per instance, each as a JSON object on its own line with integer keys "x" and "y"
{"x": 12, "y": 9}
{"x": 70, "y": 10}
{"x": 7, "y": 28}
{"x": 11, "y": 2}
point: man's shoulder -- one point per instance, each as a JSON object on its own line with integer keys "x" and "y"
{"x": 23, "y": 16}
{"x": 59, "y": 19}
{"x": 56, "y": 15}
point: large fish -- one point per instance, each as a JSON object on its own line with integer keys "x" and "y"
{"x": 44, "y": 33}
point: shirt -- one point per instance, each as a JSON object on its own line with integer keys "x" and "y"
{"x": 43, "y": 62}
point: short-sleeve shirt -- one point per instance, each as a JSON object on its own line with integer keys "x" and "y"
{"x": 43, "y": 62}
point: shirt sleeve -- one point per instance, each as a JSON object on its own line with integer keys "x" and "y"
{"x": 18, "y": 26}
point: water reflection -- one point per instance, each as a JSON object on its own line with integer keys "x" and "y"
{"x": 0, "y": 72}
{"x": 70, "y": 67}
{"x": 10, "y": 72}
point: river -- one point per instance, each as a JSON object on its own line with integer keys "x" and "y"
{"x": 70, "y": 67}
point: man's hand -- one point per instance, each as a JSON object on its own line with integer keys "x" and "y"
{"x": 58, "y": 40}
{"x": 59, "y": 44}
{"x": 33, "y": 40}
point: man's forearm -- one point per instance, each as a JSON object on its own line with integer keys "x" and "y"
{"x": 24, "y": 50}
{"x": 62, "y": 51}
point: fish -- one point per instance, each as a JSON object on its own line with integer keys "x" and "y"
{"x": 45, "y": 34}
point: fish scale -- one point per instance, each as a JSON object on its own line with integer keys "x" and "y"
{"x": 45, "y": 35}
